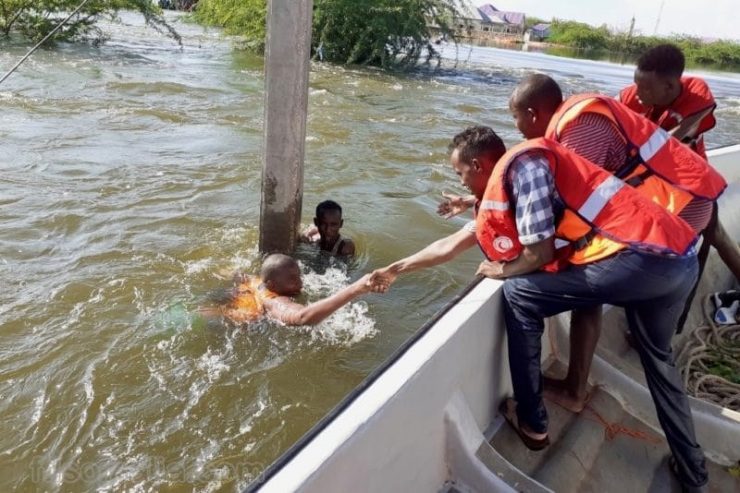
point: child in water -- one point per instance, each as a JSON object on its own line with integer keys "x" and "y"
{"x": 269, "y": 295}
{"x": 325, "y": 232}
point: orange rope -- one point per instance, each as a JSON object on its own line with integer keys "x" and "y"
{"x": 611, "y": 430}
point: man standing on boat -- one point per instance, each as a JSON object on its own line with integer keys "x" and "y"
{"x": 565, "y": 234}
{"x": 610, "y": 135}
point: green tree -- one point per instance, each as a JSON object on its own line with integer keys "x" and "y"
{"x": 579, "y": 35}
{"x": 34, "y": 19}
{"x": 388, "y": 33}
{"x": 242, "y": 17}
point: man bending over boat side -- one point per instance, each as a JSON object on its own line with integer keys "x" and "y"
{"x": 270, "y": 295}
{"x": 563, "y": 233}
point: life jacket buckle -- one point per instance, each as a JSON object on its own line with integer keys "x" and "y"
{"x": 584, "y": 240}
{"x": 638, "y": 180}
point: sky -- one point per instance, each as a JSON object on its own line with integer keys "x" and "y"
{"x": 708, "y": 19}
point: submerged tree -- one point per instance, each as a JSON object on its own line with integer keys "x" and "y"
{"x": 34, "y": 19}
{"x": 242, "y": 17}
{"x": 388, "y": 33}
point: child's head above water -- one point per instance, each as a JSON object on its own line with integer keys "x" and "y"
{"x": 281, "y": 275}
{"x": 328, "y": 220}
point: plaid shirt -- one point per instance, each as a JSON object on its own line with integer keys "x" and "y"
{"x": 537, "y": 201}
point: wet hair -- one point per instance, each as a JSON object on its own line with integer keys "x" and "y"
{"x": 538, "y": 91}
{"x": 666, "y": 60}
{"x": 327, "y": 205}
{"x": 274, "y": 264}
{"x": 477, "y": 141}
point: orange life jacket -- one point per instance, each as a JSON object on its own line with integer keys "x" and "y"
{"x": 248, "y": 304}
{"x": 602, "y": 215}
{"x": 695, "y": 97}
{"x": 659, "y": 166}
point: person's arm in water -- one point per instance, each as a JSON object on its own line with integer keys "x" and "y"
{"x": 452, "y": 205}
{"x": 289, "y": 312}
{"x": 437, "y": 253}
{"x": 309, "y": 235}
{"x": 531, "y": 259}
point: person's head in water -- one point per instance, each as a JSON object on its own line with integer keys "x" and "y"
{"x": 658, "y": 75}
{"x": 533, "y": 103}
{"x": 473, "y": 154}
{"x": 329, "y": 221}
{"x": 281, "y": 275}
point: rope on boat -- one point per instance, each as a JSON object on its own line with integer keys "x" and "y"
{"x": 709, "y": 349}
{"x": 52, "y": 33}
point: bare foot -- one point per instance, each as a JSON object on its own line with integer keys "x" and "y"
{"x": 559, "y": 392}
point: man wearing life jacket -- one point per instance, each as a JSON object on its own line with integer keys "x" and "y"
{"x": 632, "y": 148}
{"x": 683, "y": 106}
{"x": 565, "y": 234}
{"x": 270, "y": 295}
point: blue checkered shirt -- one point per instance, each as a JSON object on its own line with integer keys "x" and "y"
{"x": 533, "y": 191}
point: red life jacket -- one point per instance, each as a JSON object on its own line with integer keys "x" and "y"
{"x": 602, "y": 215}
{"x": 248, "y": 302}
{"x": 695, "y": 97}
{"x": 659, "y": 166}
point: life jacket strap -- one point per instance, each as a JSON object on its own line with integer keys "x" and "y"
{"x": 638, "y": 180}
{"x": 584, "y": 240}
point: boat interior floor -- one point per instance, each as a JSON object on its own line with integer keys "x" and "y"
{"x": 602, "y": 449}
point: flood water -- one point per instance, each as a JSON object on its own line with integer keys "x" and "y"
{"x": 129, "y": 185}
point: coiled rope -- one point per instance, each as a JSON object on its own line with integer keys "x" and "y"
{"x": 710, "y": 349}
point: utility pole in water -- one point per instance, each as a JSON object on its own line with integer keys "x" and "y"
{"x": 287, "y": 62}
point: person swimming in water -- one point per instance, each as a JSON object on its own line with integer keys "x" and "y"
{"x": 325, "y": 231}
{"x": 270, "y": 295}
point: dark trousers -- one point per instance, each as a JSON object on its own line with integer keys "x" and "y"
{"x": 652, "y": 289}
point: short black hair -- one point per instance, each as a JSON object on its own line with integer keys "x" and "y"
{"x": 327, "y": 205}
{"x": 538, "y": 91}
{"x": 477, "y": 141}
{"x": 666, "y": 60}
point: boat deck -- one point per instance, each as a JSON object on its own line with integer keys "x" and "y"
{"x": 604, "y": 448}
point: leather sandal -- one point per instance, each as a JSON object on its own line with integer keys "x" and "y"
{"x": 508, "y": 411}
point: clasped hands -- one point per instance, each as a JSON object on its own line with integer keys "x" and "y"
{"x": 379, "y": 280}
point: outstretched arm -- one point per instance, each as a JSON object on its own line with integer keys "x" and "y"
{"x": 437, "y": 253}
{"x": 291, "y": 313}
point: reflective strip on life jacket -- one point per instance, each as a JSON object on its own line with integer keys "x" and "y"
{"x": 494, "y": 205}
{"x": 654, "y": 144}
{"x": 600, "y": 197}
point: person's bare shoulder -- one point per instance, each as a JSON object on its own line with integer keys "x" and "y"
{"x": 281, "y": 308}
{"x": 348, "y": 248}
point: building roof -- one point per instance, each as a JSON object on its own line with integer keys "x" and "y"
{"x": 541, "y": 27}
{"x": 490, "y": 14}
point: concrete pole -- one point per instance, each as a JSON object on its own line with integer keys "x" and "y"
{"x": 287, "y": 60}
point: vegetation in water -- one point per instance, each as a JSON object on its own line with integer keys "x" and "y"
{"x": 386, "y": 33}
{"x": 34, "y": 19}
{"x": 241, "y": 17}
{"x": 721, "y": 53}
